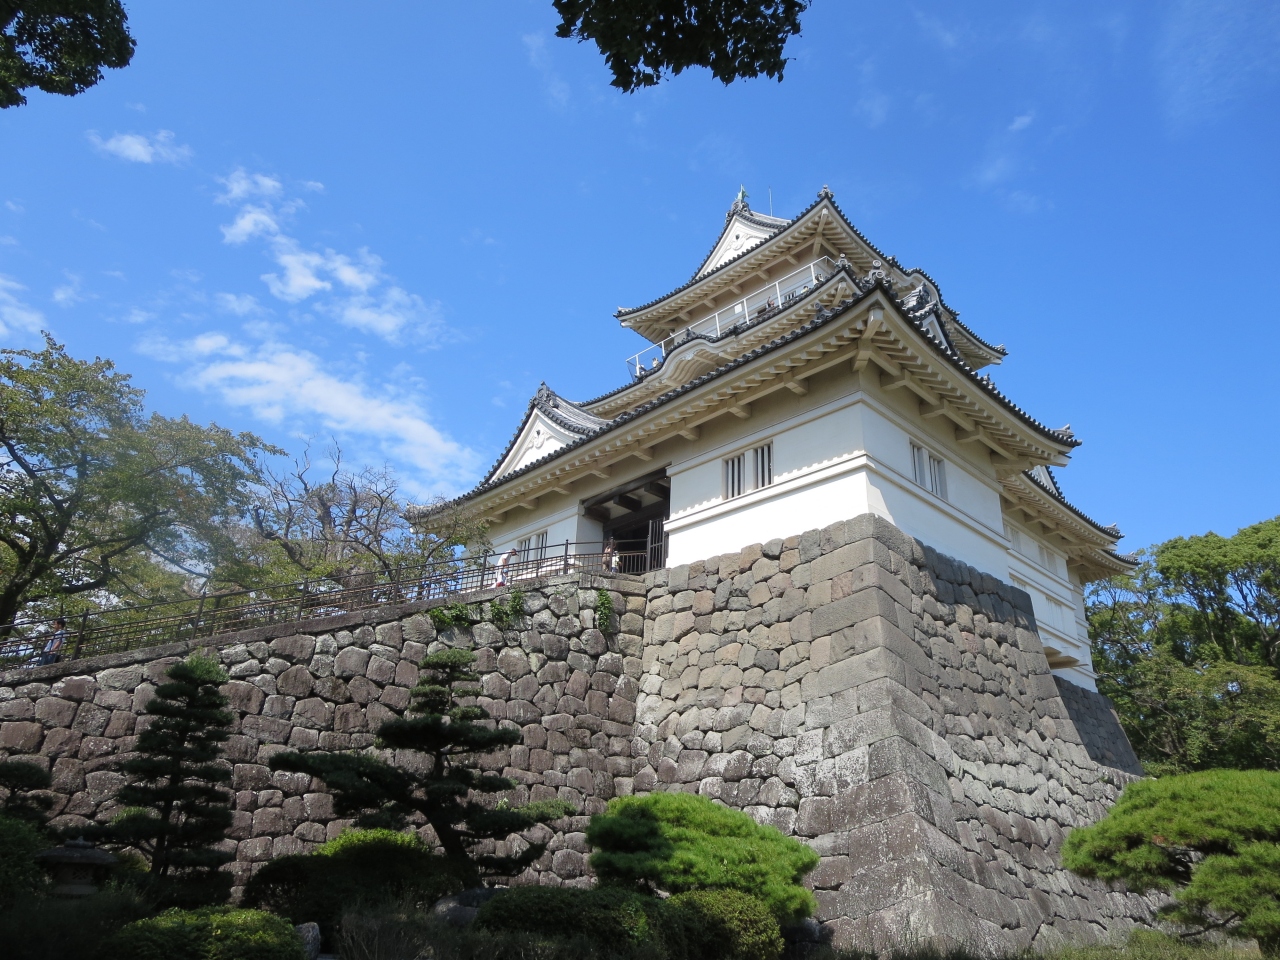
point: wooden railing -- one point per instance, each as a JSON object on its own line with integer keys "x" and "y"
{"x": 133, "y": 627}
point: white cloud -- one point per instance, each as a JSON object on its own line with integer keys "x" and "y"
{"x": 283, "y": 385}
{"x": 13, "y": 207}
{"x": 241, "y": 185}
{"x": 357, "y": 292}
{"x": 540, "y": 59}
{"x": 7, "y": 241}
{"x": 241, "y": 305}
{"x": 68, "y": 293}
{"x": 139, "y": 148}
{"x": 16, "y": 317}
{"x": 1022, "y": 122}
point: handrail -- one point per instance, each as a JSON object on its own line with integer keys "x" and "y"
{"x": 771, "y": 296}
{"x": 131, "y": 627}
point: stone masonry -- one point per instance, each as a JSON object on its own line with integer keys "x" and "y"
{"x": 891, "y": 707}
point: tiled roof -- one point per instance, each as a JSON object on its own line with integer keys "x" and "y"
{"x": 1055, "y": 493}
{"x": 821, "y": 319}
{"x": 559, "y": 411}
{"x": 823, "y": 194}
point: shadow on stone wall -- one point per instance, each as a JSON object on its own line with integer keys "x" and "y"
{"x": 1099, "y": 727}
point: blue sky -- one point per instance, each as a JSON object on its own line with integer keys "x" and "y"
{"x": 386, "y": 223}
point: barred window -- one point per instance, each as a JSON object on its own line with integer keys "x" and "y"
{"x": 533, "y": 547}
{"x": 747, "y": 471}
{"x": 929, "y": 471}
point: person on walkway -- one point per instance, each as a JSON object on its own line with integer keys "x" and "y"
{"x": 610, "y": 557}
{"x": 504, "y": 562}
{"x": 52, "y": 652}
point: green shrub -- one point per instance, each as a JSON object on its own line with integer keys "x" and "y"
{"x": 53, "y": 928}
{"x": 20, "y": 841}
{"x": 680, "y": 841}
{"x": 727, "y": 925}
{"x": 1211, "y": 838}
{"x": 215, "y": 933}
{"x": 359, "y": 865}
{"x": 402, "y": 932}
{"x": 611, "y": 915}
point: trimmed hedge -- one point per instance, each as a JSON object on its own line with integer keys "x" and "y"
{"x": 606, "y": 914}
{"x": 210, "y": 934}
{"x": 357, "y": 866}
{"x": 680, "y": 841}
{"x": 727, "y": 925}
{"x": 698, "y": 925}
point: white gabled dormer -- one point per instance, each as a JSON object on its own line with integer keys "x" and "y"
{"x": 743, "y": 229}
{"x": 550, "y": 424}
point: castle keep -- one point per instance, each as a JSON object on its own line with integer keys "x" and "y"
{"x": 847, "y": 599}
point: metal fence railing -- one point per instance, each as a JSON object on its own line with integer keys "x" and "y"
{"x": 33, "y": 643}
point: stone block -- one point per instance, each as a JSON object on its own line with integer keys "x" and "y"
{"x": 351, "y": 661}
{"x": 296, "y": 681}
{"x": 22, "y": 736}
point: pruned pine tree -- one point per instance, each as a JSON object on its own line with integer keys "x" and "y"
{"x": 177, "y": 809}
{"x": 444, "y": 792}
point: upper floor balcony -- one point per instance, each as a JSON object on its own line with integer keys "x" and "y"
{"x": 773, "y": 296}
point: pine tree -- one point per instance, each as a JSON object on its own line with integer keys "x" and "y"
{"x": 453, "y": 735}
{"x": 176, "y": 808}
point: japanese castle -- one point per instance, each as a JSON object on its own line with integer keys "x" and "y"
{"x": 799, "y": 378}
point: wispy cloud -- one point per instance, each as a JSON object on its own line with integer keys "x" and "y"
{"x": 68, "y": 294}
{"x": 353, "y": 289}
{"x": 139, "y": 148}
{"x": 553, "y": 84}
{"x": 242, "y": 305}
{"x": 284, "y": 385}
{"x": 1022, "y": 121}
{"x": 1214, "y": 51}
{"x": 16, "y": 317}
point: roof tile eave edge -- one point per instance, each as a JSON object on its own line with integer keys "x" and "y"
{"x": 1112, "y": 533}
{"x": 699, "y": 277}
{"x": 754, "y": 354}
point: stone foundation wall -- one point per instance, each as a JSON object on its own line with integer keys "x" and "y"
{"x": 890, "y": 706}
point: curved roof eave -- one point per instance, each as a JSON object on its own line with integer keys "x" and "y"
{"x": 1111, "y": 532}
{"x": 823, "y": 195}
{"x": 820, "y": 320}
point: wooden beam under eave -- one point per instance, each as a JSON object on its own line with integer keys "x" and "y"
{"x": 795, "y": 384}
{"x": 903, "y": 381}
{"x": 644, "y": 453}
{"x": 691, "y": 433}
{"x": 741, "y": 410}
{"x": 604, "y": 473}
{"x": 562, "y": 489}
{"x": 968, "y": 436}
{"x": 528, "y": 504}
{"x": 931, "y": 412}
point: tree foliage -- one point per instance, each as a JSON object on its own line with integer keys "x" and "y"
{"x": 1211, "y": 838}
{"x": 1187, "y": 648}
{"x": 452, "y": 732}
{"x": 679, "y": 841}
{"x": 644, "y": 39}
{"x": 22, "y": 786}
{"x": 59, "y": 46}
{"x": 177, "y": 809}
{"x": 97, "y": 496}
{"x": 344, "y": 526}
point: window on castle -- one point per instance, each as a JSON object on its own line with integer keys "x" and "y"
{"x": 929, "y": 471}
{"x": 749, "y": 470}
{"x": 533, "y": 547}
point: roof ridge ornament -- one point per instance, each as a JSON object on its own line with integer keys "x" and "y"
{"x": 740, "y": 204}
{"x": 825, "y": 193}
{"x": 546, "y": 396}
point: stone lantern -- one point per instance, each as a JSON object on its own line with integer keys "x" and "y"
{"x": 77, "y": 867}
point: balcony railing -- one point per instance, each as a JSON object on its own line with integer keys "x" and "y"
{"x": 749, "y": 309}
{"x": 23, "y": 644}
